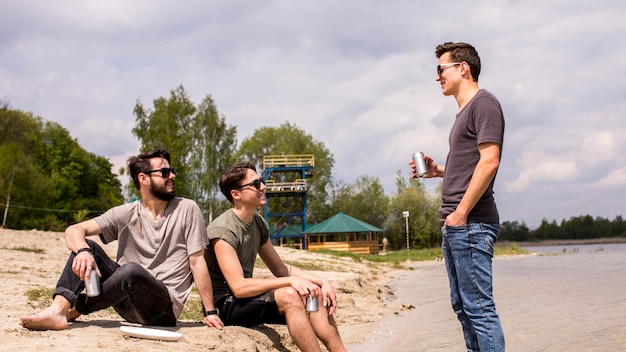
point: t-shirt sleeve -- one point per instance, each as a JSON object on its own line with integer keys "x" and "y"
{"x": 112, "y": 221}
{"x": 196, "y": 231}
{"x": 488, "y": 121}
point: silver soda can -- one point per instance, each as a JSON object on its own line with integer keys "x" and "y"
{"x": 420, "y": 164}
{"x": 92, "y": 286}
{"x": 312, "y": 304}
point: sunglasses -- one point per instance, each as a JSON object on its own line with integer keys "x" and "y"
{"x": 442, "y": 67}
{"x": 165, "y": 172}
{"x": 256, "y": 183}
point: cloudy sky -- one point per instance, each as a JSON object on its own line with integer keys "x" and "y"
{"x": 358, "y": 75}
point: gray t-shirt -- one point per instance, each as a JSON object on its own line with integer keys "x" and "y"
{"x": 480, "y": 121}
{"x": 245, "y": 238}
{"x": 162, "y": 246}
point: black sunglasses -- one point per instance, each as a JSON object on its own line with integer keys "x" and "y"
{"x": 165, "y": 171}
{"x": 256, "y": 183}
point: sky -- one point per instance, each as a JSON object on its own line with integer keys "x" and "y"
{"x": 357, "y": 75}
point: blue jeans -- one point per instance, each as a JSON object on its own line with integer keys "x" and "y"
{"x": 468, "y": 253}
{"x": 130, "y": 289}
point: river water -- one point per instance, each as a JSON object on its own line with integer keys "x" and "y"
{"x": 560, "y": 298}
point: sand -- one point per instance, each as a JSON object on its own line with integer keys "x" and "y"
{"x": 572, "y": 300}
{"x": 34, "y": 260}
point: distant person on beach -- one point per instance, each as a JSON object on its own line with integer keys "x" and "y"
{"x": 470, "y": 220}
{"x": 236, "y": 237}
{"x": 161, "y": 243}
{"x": 385, "y": 244}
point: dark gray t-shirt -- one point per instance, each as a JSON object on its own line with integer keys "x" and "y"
{"x": 480, "y": 121}
{"x": 245, "y": 238}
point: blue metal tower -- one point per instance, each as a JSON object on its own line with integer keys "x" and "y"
{"x": 286, "y": 177}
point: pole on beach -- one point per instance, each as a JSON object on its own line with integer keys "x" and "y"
{"x": 406, "y": 221}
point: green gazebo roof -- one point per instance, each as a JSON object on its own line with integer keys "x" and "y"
{"x": 339, "y": 223}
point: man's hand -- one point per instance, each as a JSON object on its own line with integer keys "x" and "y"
{"x": 329, "y": 298}
{"x": 213, "y": 320}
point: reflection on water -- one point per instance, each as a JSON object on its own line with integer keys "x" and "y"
{"x": 575, "y": 248}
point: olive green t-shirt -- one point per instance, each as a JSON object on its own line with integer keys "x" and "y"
{"x": 245, "y": 238}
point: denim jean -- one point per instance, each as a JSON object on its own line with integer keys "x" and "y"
{"x": 134, "y": 293}
{"x": 468, "y": 253}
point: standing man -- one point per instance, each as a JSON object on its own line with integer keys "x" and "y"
{"x": 468, "y": 211}
{"x": 236, "y": 237}
{"x": 160, "y": 255}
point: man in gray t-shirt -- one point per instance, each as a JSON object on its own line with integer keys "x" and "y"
{"x": 469, "y": 217}
{"x": 161, "y": 242}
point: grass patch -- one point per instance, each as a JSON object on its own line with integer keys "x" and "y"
{"x": 40, "y": 298}
{"x": 192, "y": 311}
{"x": 29, "y": 250}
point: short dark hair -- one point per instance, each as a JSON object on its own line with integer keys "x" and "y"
{"x": 141, "y": 163}
{"x": 461, "y": 52}
{"x": 232, "y": 177}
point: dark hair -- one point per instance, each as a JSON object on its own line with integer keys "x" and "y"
{"x": 141, "y": 163}
{"x": 461, "y": 52}
{"x": 232, "y": 177}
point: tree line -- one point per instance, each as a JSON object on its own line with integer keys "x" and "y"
{"x": 584, "y": 227}
{"x": 48, "y": 181}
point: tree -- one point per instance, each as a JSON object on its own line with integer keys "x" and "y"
{"x": 200, "y": 141}
{"x": 214, "y": 146}
{"x": 424, "y": 227}
{"x": 168, "y": 125}
{"x": 289, "y": 139}
{"x": 46, "y": 177}
{"x": 364, "y": 200}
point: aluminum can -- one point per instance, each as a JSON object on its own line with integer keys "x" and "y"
{"x": 312, "y": 304}
{"x": 420, "y": 164}
{"x": 92, "y": 286}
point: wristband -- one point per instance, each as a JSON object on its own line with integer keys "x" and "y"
{"x": 86, "y": 249}
{"x": 210, "y": 312}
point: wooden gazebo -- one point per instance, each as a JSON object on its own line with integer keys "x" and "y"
{"x": 343, "y": 233}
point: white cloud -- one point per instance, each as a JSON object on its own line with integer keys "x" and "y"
{"x": 358, "y": 76}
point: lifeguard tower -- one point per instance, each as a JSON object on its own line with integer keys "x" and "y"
{"x": 286, "y": 180}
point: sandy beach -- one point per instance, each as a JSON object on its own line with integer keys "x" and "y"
{"x": 34, "y": 260}
{"x": 573, "y": 300}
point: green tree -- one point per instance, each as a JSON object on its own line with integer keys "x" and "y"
{"x": 214, "y": 145}
{"x": 200, "y": 141}
{"x": 168, "y": 125}
{"x": 364, "y": 200}
{"x": 289, "y": 139}
{"x": 45, "y": 175}
{"x": 424, "y": 227}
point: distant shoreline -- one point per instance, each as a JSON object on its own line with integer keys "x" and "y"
{"x": 545, "y": 243}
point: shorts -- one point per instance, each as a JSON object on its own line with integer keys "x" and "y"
{"x": 250, "y": 311}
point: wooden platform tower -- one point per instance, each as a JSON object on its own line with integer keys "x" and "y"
{"x": 286, "y": 177}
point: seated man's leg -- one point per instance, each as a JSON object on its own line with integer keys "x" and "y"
{"x": 250, "y": 311}
{"x": 305, "y": 327}
{"x": 68, "y": 287}
{"x": 135, "y": 294}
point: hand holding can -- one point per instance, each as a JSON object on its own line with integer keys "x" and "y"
{"x": 421, "y": 169}
{"x": 92, "y": 285}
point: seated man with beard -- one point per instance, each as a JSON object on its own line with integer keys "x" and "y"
{"x": 161, "y": 240}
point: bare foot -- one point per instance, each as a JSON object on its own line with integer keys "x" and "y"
{"x": 47, "y": 319}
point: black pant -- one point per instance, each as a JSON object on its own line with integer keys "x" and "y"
{"x": 130, "y": 289}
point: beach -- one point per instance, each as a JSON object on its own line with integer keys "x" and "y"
{"x": 33, "y": 261}
{"x": 573, "y": 299}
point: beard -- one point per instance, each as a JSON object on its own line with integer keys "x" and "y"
{"x": 162, "y": 193}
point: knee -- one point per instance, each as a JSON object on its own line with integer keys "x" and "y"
{"x": 287, "y": 297}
